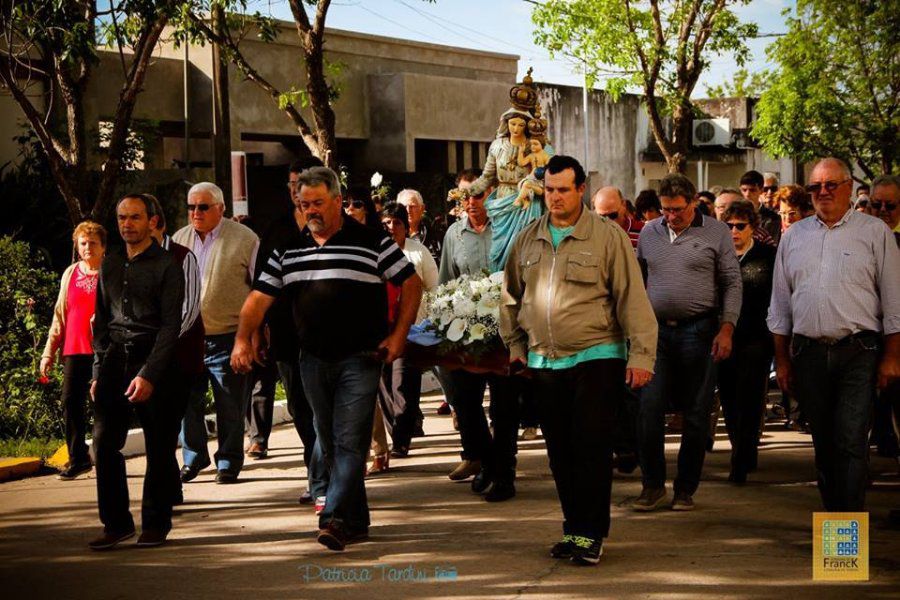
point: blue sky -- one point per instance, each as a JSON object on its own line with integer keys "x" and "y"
{"x": 503, "y": 26}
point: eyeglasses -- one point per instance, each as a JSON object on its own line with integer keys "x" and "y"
{"x": 738, "y": 226}
{"x": 888, "y": 206}
{"x": 354, "y": 203}
{"x": 611, "y": 216}
{"x": 200, "y": 207}
{"x": 674, "y": 210}
{"x": 788, "y": 214}
{"x": 770, "y": 188}
{"x": 816, "y": 188}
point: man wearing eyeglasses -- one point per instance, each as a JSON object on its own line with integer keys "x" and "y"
{"x": 694, "y": 284}
{"x": 608, "y": 202}
{"x": 885, "y": 202}
{"x": 226, "y": 253}
{"x": 770, "y": 186}
{"x": 835, "y": 313}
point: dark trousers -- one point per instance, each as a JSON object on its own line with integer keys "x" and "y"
{"x": 77, "y": 375}
{"x": 578, "y": 414}
{"x": 835, "y": 385}
{"x": 262, "y": 402}
{"x": 399, "y": 393}
{"x": 684, "y": 372}
{"x": 528, "y": 408}
{"x": 159, "y": 418}
{"x": 498, "y": 453}
{"x": 625, "y": 434}
{"x": 743, "y": 379}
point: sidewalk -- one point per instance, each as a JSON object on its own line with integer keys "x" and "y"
{"x": 252, "y": 540}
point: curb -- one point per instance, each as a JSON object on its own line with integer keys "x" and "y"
{"x": 16, "y": 468}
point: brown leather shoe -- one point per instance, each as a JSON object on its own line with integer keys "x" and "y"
{"x": 332, "y": 538}
{"x": 152, "y": 537}
{"x": 257, "y": 451}
{"x": 465, "y": 469}
{"x": 108, "y": 540}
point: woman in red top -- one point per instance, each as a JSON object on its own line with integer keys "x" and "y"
{"x": 70, "y": 335}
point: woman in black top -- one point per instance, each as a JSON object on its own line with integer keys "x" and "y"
{"x": 744, "y": 376}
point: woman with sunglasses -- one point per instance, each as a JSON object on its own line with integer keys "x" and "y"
{"x": 744, "y": 375}
{"x": 359, "y": 205}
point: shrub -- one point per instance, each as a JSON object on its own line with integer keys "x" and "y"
{"x": 29, "y": 408}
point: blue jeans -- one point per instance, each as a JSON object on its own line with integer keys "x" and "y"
{"x": 230, "y": 396}
{"x": 835, "y": 386}
{"x": 342, "y": 396}
{"x": 684, "y": 372}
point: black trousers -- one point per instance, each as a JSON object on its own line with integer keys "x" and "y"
{"x": 399, "y": 393}
{"x": 498, "y": 453}
{"x": 528, "y": 416}
{"x": 743, "y": 378}
{"x": 262, "y": 402}
{"x": 159, "y": 418}
{"x": 77, "y": 374}
{"x": 578, "y": 414}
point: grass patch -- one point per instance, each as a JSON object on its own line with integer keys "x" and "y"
{"x": 41, "y": 448}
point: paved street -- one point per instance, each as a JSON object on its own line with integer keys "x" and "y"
{"x": 252, "y": 540}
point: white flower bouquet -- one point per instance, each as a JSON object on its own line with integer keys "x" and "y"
{"x": 465, "y": 314}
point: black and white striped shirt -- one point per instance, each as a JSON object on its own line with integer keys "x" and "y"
{"x": 337, "y": 290}
{"x": 695, "y": 273}
{"x": 190, "y": 310}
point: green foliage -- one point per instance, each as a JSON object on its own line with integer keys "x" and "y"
{"x": 743, "y": 84}
{"x": 837, "y": 88}
{"x": 609, "y": 37}
{"x": 28, "y": 290}
{"x": 37, "y": 447}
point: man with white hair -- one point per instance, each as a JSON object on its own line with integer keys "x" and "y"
{"x": 226, "y": 253}
{"x": 420, "y": 229}
{"x": 770, "y": 186}
{"x": 835, "y": 314}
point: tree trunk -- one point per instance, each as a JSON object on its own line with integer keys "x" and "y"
{"x": 221, "y": 114}
{"x": 682, "y": 118}
{"x": 320, "y": 102}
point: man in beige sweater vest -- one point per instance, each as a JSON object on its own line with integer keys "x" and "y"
{"x": 226, "y": 253}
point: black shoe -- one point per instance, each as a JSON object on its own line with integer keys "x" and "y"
{"x": 226, "y": 477}
{"x": 586, "y": 551}
{"x": 563, "y": 549}
{"x": 107, "y": 541}
{"x": 418, "y": 431}
{"x": 332, "y": 538}
{"x": 178, "y": 498}
{"x": 501, "y": 491}
{"x": 482, "y": 483}
{"x": 189, "y": 473}
{"x": 626, "y": 462}
{"x": 306, "y": 498}
{"x": 400, "y": 452}
{"x": 74, "y": 470}
{"x": 151, "y": 537}
{"x": 738, "y": 477}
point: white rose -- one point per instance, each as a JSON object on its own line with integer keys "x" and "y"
{"x": 463, "y": 307}
{"x": 496, "y": 278}
{"x": 376, "y": 179}
{"x": 487, "y": 306}
{"x": 456, "y": 330}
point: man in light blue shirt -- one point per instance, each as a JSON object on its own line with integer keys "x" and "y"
{"x": 835, "y": 304}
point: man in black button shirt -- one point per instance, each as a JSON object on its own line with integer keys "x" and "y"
{"x": 136, "y": 326}
{"x": 334, "y": 273}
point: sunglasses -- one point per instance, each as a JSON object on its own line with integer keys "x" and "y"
{"x": 738, "y": 226}
{"x": 816, "y": 188}
{"x": 200, "y": 207}
{"x": 354, "y": 203}
{"x": 611, "y": 216}
{"x": 888, "y": 206}
{"x": 770, "y": 188}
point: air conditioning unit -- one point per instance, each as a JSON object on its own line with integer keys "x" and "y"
{"x": 712, "y": 132}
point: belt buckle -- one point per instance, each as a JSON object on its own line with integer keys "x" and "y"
{"x": 828, "y": 341}
{"x": 672, "y": 323}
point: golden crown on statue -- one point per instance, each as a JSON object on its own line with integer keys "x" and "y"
{"x": 523, "y": 95}
{"x": 537, "y": 127}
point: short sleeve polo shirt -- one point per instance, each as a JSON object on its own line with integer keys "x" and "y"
{"x": 337, "y": 290}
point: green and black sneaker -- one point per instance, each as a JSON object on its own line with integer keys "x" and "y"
{"x": 564, "y": 548}
{"x": 586, "y": 551}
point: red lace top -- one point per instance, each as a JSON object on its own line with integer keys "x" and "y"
{"x": 80, "y": 299}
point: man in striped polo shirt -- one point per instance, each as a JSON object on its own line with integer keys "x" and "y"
{"x": 334, "y": 272}
{"x": 690, "y": 264}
